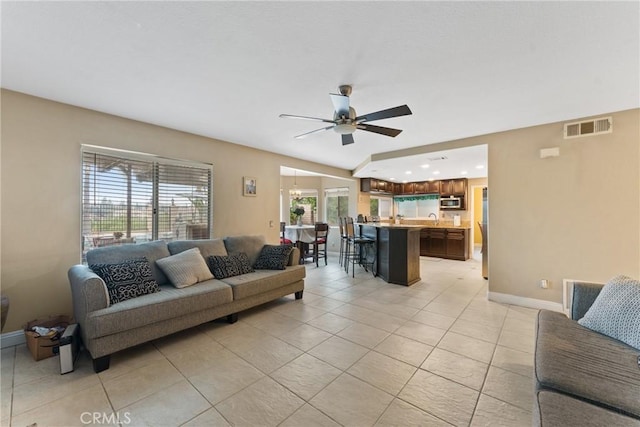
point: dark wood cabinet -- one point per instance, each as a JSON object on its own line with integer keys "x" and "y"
{"x": 397, "y": 188}
{"x": 373, "y": 185}
{"x": 448, "y": 187}
{"x": 408, "y": 188}
{"x": 453, "y": 187}
{"x": 398, "y": 254}
{"x": 433, "y": 187}
{"x": 450, "y": 243}
{"x": 420, "y": 187}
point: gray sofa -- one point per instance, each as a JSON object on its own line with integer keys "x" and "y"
{"x": 583, "y": 378}
{"x": 106, "y": 328}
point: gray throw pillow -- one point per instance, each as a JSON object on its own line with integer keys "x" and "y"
{"x": 273, "y": 257}
{"x": 229, "y": 266}
{"x": 126, "y": 280}
{"x": 616, "y": 311}
{"x": 185, "y": 269}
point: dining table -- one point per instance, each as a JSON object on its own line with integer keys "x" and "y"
{"x": 301, "y": 236}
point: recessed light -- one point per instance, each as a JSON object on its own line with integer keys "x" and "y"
{"x": 392, "y": 179}
{"x": 424, "y": 166}
{"x": 480, "y": 167}
{"x": 408, "y": 172}
{"x": 463, "y": 173}
{"x": 436, "y": 172}
{"x": 432, "y": 179}
{"x": 405, "y": 181}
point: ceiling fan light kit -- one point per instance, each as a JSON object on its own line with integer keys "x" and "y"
{"x": 346, "y": 121}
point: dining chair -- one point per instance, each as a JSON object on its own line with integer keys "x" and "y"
{"x": 284, "y": 240}
{"x": 320, "y": 242}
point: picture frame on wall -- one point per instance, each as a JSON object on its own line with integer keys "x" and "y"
{"x": 249, "y": 186}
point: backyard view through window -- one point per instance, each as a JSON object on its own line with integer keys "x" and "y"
{"x": 133, "y": 198}
{"x": 303, "y": 206}
{"x": 337, "y": 204}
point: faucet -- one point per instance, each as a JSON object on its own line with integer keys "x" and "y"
{"x": 435, "y": 216}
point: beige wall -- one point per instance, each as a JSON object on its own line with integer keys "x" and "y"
{"x": 549, "y": 218}
{"x": 40, "y": 217}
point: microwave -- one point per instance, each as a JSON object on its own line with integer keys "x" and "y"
{"x": 450, "y": 203}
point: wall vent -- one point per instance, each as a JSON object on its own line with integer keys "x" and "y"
{"x": 588, "y": 127}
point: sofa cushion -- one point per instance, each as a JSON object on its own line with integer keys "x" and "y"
{"x": 148, "y": 309}
{"x": 185, "y": 268}
{"x": 229, "y": 266}
{"x": 261, "y": 281}
{"x": 250, "y": 245}
{"x": 126, "y": 280}
{"x": 208, "y": 247}
{"x": 578, "y": 361}
{"x": 616, "y": 311}
{"x": 273, "y": 257}
{"x": 152, "y": 251}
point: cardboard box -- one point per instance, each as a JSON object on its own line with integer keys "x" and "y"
{"x": 42, "y": 347}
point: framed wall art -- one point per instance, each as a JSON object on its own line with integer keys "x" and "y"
{"x": 249, "y": 186}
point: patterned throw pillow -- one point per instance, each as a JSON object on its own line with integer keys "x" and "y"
{"x": 616, "y": 311}
{"x": 229, "y": 266}
{"x": 127, "y": 279}
{"x": 273, "y": 257}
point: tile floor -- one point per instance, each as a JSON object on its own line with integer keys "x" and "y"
{"x": 353, "y": 352}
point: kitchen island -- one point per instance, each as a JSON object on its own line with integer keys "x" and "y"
{"x": 398, "y": 251}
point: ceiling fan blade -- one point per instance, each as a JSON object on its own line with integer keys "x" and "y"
{"x": 347, "y": 139}
{"x": 313, "y": 131}
{"x": 402, "y": 110}
{"x": 290, "y": 116}
{"x": 381, "y": 130}
{"x": 340, "y": 104}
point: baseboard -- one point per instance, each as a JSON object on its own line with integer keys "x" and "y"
{"x": 12, "y": 338}
{"x": 525, "y": 302}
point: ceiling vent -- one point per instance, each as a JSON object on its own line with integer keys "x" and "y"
{"x": 433, "y": 159}
{"x": 588, "y": 127}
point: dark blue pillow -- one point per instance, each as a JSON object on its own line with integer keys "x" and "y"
{"x": 273, "y": 257}
{"x": 126, "y": 280}
{"x": 229, "y": 266}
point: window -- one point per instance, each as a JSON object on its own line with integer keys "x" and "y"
{"x": 133, "y": 198}
{"x": 308, "y": 201}
{"x": 417, "y": 206}
{"x": 337, "y": 204}
{"x": 380, "y": 206}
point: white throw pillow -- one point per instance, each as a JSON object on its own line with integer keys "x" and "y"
{"x": 186, "y": 268}
{"x": 616, "y": 311}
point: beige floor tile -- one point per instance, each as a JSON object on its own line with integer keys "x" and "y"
{"x": 193, "y": 360}
{"x": 300, "y": 312}
{"x": 476, "y": 330}
{"x": 208, "y": 418}
{"x": 524, "y": 313}
{"x": 125, "y": 361}
{"x": 456, "y": 368}
{"x": 222, "y": 331}
{"x": 373, "y": 318}
{"x": 365, "y": 335}
{"x": 192, "y": 339}
{"x": 77, "y": 409}
{"x": 339, "y": 352}
{"x": 492, "y": 412}
{"x": 171, "y": 406}
{"x": 382, "y": 371}
{"x": 512, "y": 388}
{"x": 272, "y": 322}
{"x": 306, "y": 375}
{"x": 27, "y": 370}
{"x": 331, "y": 322}
{"x": 230, "y": 375}
{"x": 466, "y": 346}
{"x": 517, "y": 341}
{"x": 516, "y": 361}
{"x": 352, "y": 402}
{"x": 308, "y": 416}
{"x": 443, "y": 398}
{"x": 305, "y": 337}
{"x": 404, "y": 349}
{"x": 523, "y": 326}
{"x": 420, "y": 332}
{"x": 263, "y": 403}
{"x": 140, "y": 383}
{"x": 323, "y": 303}
{"x": 434, "y": 319}
{"x": 400, "y": 413}
{"x": 269, "y": 354}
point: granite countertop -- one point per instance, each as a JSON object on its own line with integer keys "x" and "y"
{"x": 432, "y": 225}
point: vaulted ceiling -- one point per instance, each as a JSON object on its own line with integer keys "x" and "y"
{"x": 226, "y": 70}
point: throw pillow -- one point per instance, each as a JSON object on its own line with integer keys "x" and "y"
{"x": 273, "y": 257}
{"x": 616, "y": 311}
{"x": 185, "y": 268}
{"x": 127, "y": 279}
{"x": 229, "y": 266}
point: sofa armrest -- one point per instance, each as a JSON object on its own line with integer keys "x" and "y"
{"x": 88, "y": 292}
{"x": 294, "y": 258}
{"x": 584, "y": 294}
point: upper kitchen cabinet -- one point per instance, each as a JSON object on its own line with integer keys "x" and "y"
{"x": 408, "y": 187}
{"x": 453, "y": 187}
{"x": 373, "y": 185}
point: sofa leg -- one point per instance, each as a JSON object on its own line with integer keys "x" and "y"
{"x": 232, "y": 318}
{"x": 101, "y": 363}
{"x": 299, "y": 294}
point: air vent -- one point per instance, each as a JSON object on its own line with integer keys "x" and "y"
{"x": 433, "y": 159}
{"x": 588, "y": 127}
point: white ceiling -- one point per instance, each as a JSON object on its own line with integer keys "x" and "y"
{"x": 226, "y": 70}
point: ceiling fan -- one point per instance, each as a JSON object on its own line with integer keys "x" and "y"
{"x": 346, "y": 122}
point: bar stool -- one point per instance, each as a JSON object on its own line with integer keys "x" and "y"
{"x": 343, "y": 238}
{"x": 284, "y": 240}
{"x": 359, "y": 249}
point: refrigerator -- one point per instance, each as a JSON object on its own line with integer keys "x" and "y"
{"x": 485, "y": 234}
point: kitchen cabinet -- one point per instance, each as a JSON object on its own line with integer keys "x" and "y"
{"x": 398, "y": 252}
{"x": 373, "y": 185}
{"x": 408, "y": 188}
{"x": 453, "y": 187}
{"x": 420, "y": 187}
{"x": 450, "y": 243}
